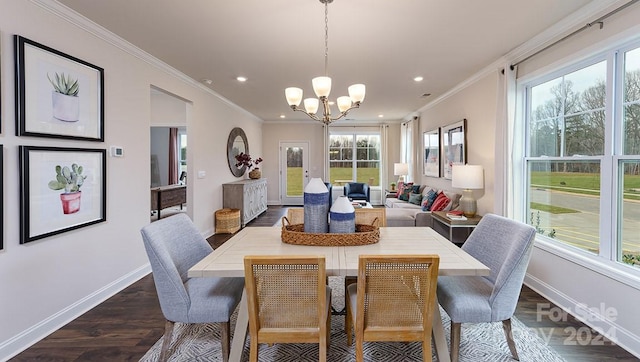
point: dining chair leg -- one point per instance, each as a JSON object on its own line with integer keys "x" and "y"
{"x": 506, "y": 325}
{"x": 225, "y": 332}
{"x": 359, "y": 348}
{"x": 253, "y": 349}
{"x": 455, "y": 341}
{"x": 348, "y": 320}
{"x": 166, "y": 340}
{"x": 426, "y": 349}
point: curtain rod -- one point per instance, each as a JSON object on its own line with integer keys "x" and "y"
{"x": 599, "y": 21}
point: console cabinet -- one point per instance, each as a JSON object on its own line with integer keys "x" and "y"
{"x": 250, "y": 196}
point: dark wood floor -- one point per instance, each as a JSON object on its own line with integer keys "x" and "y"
{"x": 125, "y": 326}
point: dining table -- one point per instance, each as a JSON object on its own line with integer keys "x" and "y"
{"x": 228, "y": 261}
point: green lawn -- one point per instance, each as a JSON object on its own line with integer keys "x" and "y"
{"x": 582, "y": 183}
{"x": 294, "y": 177}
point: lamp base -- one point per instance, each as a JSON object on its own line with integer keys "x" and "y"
{"x": 468, "y": 204}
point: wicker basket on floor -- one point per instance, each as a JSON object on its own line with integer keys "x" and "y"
{"x": 227, "y": 221}
{"x": 294, "y": 234}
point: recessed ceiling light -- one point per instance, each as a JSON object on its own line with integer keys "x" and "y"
{"x": 283, "y": 116}
{"x": 241, "y": 79}
{"x": 418, "y": 79}
{"x": 380, "y": 115}
{"x": 207, "y": 81}
{"x": 331, "y": 103}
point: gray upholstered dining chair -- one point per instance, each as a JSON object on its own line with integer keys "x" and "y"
{"x": 505, "y": 246}
{"x": 174, "y": 245}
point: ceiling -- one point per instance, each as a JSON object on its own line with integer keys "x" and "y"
{"x": 280, "y": 43}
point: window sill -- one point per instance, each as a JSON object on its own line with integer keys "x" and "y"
{"x": 615, "y": 270}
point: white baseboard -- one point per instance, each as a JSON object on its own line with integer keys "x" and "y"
{"x": 35, "y": 333}
{"x": 611, "y": 330}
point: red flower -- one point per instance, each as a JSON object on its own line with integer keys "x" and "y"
{"x": 244, "y": 159}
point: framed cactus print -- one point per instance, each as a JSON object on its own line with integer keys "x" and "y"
{"x": 57, "y": 95}
{"x": 61, "y": 189}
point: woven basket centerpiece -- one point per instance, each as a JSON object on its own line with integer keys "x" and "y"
{"x": 295, "y": 234}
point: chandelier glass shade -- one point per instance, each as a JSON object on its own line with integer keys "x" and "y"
{"x": 322, "y": 89}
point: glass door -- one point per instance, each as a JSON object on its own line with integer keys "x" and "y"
{"x": 294, "y": 160}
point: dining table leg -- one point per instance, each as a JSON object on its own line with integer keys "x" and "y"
{"x": 439, "y": 340}
{"x": 240, "y": 332}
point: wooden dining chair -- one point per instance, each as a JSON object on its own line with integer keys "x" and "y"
{"x": 371, "y": 216}
{"x": 288, "y": 300}
{"x": 393, "y": 300}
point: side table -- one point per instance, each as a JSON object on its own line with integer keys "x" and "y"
{"x": 390, "y": 193}
{"x": 441, "y": 221}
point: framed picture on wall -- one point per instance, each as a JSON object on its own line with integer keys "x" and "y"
{"x": 57, "y": 95}
{"x": 1, "y": 197}
{"x": 431, "y": 147}
{"x": 454, "y": 146}
{"x": 61, "y": 189}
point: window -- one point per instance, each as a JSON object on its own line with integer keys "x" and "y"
{"x": 354, "y": 157}
{"x": 578, "y": 156}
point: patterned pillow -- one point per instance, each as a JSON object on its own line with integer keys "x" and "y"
{"x": 415, "y": 198}
{"x": 404, "y": 196}
{"x": 415, "y": 189}
{"x": 428, "y": 199}
{"x": 440, "y": 203}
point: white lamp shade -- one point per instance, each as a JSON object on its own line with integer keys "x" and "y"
{"x": 344, "y": 103}
{"x": 311, "y": 105}
{"x": 467, "y": 177}
{"x": 356, "y": 92}
{"x": 400, "y": 169}
{"x": 322, "y": 86}
{"x": 294, "y": 96}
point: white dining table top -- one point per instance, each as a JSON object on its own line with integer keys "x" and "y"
{"x": 228, "y": 259}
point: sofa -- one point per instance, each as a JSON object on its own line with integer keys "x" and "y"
{"x": 413, "y": 208}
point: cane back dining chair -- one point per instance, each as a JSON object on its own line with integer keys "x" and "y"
{"x": 173, "y": 246}
{"x": 505, "y": 246}
{"x": 393, "y": 300}
{"x": 288, "y": 300}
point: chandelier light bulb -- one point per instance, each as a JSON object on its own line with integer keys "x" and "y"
{"x": 344, "y": 103}
{"x": 294, "y": 96}
{"x": 322, "y": 86}
{"x": 311, "y": 105}
{"x": 356, "y": 92}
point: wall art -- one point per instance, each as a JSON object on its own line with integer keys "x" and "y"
{"x": 431, "y": 148}
{"x": 57, "y": 95}
{"x": 61, "y": 189}
{"x": 454, "y": 146}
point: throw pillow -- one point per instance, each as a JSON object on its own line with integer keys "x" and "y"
{"x": 404, "y": 196}
{"x": 356, "y": 188}
{"x": 428, "y": 199}
{"x": 415, "y": 189}
{"x": 415, "y": 198}
{"x": 440, "y": 203}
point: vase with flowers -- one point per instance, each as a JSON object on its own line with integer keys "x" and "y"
{"x": 244, "y": 159}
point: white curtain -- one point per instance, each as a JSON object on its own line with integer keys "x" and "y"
{"x": 384, "y": 159}
{"x": 406, "y": 150}
{"x": 504, "y": 140}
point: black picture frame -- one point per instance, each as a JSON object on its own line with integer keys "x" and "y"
{"x": 45, "y": 208}
{"x": 57, "y": 95}
{"x": 454, "y": 146}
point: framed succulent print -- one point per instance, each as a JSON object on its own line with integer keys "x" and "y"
{"x": 57, "y": 95}
{"x": 61, "y": 189}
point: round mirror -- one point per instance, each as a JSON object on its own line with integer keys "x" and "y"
{"x": 236, "y": 144}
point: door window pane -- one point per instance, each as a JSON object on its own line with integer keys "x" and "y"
{"x": 564, "y": 201}
{"x": 295, "y": 177}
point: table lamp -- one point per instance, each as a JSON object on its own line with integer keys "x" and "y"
{"x": 400, "y": 170}
{"x": 467, "y": 177}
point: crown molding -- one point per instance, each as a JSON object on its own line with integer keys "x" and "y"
{"x": 102, "y": 33}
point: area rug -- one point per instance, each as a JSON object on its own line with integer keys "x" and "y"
{"x": 479, "y": 342}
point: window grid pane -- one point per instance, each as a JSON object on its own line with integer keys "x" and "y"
{"x": 629, "y": 219}
{"x": 564, "y": 201}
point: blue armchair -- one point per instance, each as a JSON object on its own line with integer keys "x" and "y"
{"x": 357, "y": 191}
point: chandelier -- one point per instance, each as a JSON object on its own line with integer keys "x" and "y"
{"x": 322, "y": 88}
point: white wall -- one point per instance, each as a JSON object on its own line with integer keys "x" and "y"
{"x": 47, "y": 283}
{"x": 477, "y": 103}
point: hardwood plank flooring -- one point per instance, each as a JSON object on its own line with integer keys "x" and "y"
{"x": 126, "y": 325}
